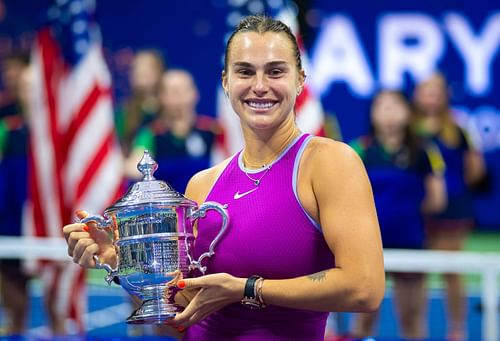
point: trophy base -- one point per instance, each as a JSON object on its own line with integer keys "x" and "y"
{"x": 154, "y": 312}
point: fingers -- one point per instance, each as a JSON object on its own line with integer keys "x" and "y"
{"x": 187, "y": 317}
{"x": 80, "y": 214}
{"x": 198, "y": 309}
{"x": 181, "y": 299}
{"x": 73, "y": 233}
{"x": 185, "y": 296}
{"x": 69, "y": 229}
{"x": 191, "y": 283}
{"x": 84, "y": 252}
{"x": 171, "y": 330}
{"x": 80, "y": 246}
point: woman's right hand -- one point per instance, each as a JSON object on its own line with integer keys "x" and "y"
{"x": 86, "y": 240}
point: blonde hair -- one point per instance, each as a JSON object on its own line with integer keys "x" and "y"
{"x": 449, "y": 131}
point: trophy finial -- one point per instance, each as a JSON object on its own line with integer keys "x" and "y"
{"x": 147, "y": 166}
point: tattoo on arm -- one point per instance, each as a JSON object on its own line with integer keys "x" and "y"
{"x": 318, "y": 276}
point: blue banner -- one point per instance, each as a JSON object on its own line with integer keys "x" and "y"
{"x": 355, "y": 47}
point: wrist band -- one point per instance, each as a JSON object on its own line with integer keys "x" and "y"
{"x": 251, "y": 299}
{"x": 260, "y": 297}
{"x": 250, "y": 291}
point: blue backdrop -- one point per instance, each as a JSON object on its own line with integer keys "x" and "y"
{"x": 354, "y": 47}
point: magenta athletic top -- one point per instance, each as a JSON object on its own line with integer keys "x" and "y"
{"x": 269, "y": 234}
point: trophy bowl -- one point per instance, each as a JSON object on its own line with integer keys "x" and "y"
{"x": 152, "y": 230}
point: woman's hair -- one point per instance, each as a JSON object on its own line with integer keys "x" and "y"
{"x": 410, "y": 138}
{"x": 136, "y": 104}
{"x": 262, "y": 24}
{"x": 450, "y": 133}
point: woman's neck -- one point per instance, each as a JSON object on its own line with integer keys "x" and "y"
{"x": 181, "y": 124}
{"x": 263, "y": 147}
{"x": 431, "y": 124}
{"x": 391, "y": 142}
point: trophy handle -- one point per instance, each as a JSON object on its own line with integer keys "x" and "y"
{"x": 102, "y": 223}
{"x": 200, "y": 213}
{"x": 112, "y": 272}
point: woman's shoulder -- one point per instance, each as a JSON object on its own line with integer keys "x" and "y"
{"x": 333, "y": 155}
{"x": 202, "y": 182}
{"x": 323, "y": 148}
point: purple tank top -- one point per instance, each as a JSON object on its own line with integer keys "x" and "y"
{"x": 269, "y": 234}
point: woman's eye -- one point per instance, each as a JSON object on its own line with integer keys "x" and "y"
{"x": 276, "y": 72}
{"x": 244, "y": 72}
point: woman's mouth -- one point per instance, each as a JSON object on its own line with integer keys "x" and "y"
{"x": 261, "y": 105}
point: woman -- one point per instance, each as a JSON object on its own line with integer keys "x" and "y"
{"x": 301, "y": 208}
{"x": 14, "y": 135}
{"x": 141, "y": 107}
{"x": 406, "y": 176}
{"x": 464, "y": 168}
{"x": 180, "y": 139}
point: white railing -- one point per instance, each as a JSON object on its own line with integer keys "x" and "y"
{"x": 486, "y": 264}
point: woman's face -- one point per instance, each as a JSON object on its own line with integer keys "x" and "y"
{"x": 178, "y": 94}
{"x": 262, "y": 80}
{"x": 145, "y": 73}
{"x": 430, "y": 95}
{"x": 390, "y": 114}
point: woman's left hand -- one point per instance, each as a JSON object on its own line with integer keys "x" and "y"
{"x": 215, "y": 292}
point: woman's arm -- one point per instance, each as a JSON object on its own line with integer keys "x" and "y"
{"x": 340, "y": 199}
{"x": 435, "y": 199}
{"x": 475, "y": 168}
{"x": 334, "y": 189}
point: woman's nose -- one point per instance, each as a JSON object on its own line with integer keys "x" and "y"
{"x": 260, "y": 85}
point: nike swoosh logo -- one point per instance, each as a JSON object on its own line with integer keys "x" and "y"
{"x": 239, "y": 195}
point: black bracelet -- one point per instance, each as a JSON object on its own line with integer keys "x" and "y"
{"x": 250, "y": 291}
{"x": 250, "y": 299}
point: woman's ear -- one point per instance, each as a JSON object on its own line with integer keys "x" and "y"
{"x": 301, "y": 81}
{"x": 224, "y": 82}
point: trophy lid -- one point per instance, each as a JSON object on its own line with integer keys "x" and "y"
{"x": 150, "y": 190}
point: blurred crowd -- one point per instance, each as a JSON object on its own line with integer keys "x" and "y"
{"x": 422, "y": 166}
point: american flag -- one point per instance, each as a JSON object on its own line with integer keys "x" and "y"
{"x": 75, "y": 161}
{"x": 309, "y": 111}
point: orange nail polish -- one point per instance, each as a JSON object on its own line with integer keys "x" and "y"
{"x": 181, "y": 329}
{"x": 181, "y": 284}
{"x": 86, "y": 228}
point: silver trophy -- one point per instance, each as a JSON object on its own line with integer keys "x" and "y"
{"x": 152, "y": 230}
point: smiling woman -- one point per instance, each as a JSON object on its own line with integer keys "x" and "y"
{"x": 303, "y": 237}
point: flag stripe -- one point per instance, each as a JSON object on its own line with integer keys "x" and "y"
{"x": 94, "y": 165}
{"x": 83, "y": 113}
{"x": 51, "y": 77}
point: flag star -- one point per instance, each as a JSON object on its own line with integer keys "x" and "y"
{"x": 255, "y": 6}
{"x": 81, "y": 46}
{"x": 54, "y": 13}
{"x": 75, "y": 8}
{"x": 275, "y": 4}
{"x": 79, "y": 26}
{"x": 234, "y": 18}
{"x": 237, "y": 3}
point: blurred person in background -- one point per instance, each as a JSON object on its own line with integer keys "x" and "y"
{"x": 143, "y": 104}
{"x": 180, "y": 139}
{"x": 406, "y": 177}
{"x": 465, "y": 168}
{"x": 13, "y": 185}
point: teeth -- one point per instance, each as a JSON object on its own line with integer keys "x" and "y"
{"x": 258, "y": 105}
